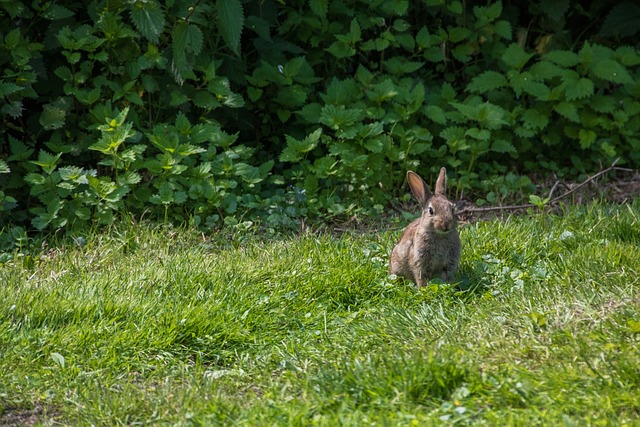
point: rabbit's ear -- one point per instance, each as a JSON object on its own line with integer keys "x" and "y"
{"x": 441, "y": 183}
{"x": 418, "y": 188}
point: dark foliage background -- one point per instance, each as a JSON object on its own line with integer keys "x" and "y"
{"x": 219, "y": 112}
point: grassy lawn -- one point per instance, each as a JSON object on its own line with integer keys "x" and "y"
{"x": 163, "y": 327}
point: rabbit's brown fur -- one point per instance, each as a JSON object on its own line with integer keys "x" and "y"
{"x": 430, "y": 246}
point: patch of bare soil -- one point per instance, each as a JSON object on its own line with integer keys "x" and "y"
{"x": 13, "y": 417}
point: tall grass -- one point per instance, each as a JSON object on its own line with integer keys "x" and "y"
{"x": 146, "y": 325}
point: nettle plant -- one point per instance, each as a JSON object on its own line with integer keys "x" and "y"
{"x": 130, "y": 109}
{"x": 468, "y": 94}
{"x": 240, "y": 111}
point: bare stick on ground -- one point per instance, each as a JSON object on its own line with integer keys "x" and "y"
{"x": 551, "y": 201}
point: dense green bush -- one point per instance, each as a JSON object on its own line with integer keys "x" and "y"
{"x": 215, "y": 112}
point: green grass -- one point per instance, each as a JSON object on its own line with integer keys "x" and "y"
{"x": 158, "y": 326}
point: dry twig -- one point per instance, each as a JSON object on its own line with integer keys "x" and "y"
{"x": 551, "y": 201}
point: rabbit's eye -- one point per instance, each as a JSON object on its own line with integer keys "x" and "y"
{"x": 430, "y": 211}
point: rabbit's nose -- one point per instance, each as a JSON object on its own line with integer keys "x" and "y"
{"x": 446, "y": 226}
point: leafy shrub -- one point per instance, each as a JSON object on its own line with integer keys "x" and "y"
{"x": 217, "y": 112}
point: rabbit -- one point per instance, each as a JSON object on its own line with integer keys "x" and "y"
{"x": 430, "y": 246}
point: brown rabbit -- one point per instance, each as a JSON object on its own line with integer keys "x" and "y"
{"x": 430, "y": 246}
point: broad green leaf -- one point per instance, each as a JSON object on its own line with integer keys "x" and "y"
{"x": 35, "y": 179}
{"x": 291, "y": 96}
{"x": 355, "y": 32}
{"x": 182, "y": 124}
{"x": 164, "y": 195}
{"x": 399, "y": 65}
{"x": 186, "y": 150}
{"x": 435, "y": 114}
{"x": 586, "y": 137}
{"x": 452, "y": 133}
{"x": 45, "y": 216}
{"x": 342, "y": 92}
{"x": 13, "y": 109}
{"x": 248, "y": 173}
{"x": 563, "y": 58}
{"x": 83, "y": 213}
{"x": 254, "y": 94}
{"x": 230, "y": 22}
{"x": 102, "y": 187}
{"x": 502, "y": 146}
{"x": 395, "y": 7}
{"x": 567, "y": 110}
{"x": 203, "y": 132}
{"x": 12, "y": 39}
{"x": 480, "y": 134}
{"x": 375, "y": 145}
{"x": 400, "y": 25}
{"x": 129, "y": 178}
{"x": 133, "y": 153}
{"x": 603, "y": 103}
{"x": 319, "y": 7}
{"x": 623, "y": 20}
{"x": 371, "y": 130}
{"x": 533, "y": 119}
{"x": 448, "y": 92}
{"x": 290, "y": 153}
{"x": 526, "y": 82}
{"x": 103, "y": 145}
{"x": 325, "y": 167}
{"x": 55, "y": 12}
{"x": 341, "y": 49}
{"x": 148, "y": 18}
{"x": 490, "y": 115}
{"x": 628, "y": 56}
{"x": 340, "y": 117}
{"x": 545, "y": 70}
{"x": 293, "y": 66}
{"x": 424, "y": 39}
{"x": 576, "y": 87}
{"x": 4, "y": 167}
{"x": 489, "y": 13}
{"x": 515, "y": 56}
{"x": 310, "y": 112}
{"x": 183, "y": 36}
{"x": 19, "y": 151}
{"x": 179, "y": 197}
{"x": 295, "y": 148}
{"x": 206, "y": 100}
{"x": 71, "y": 173}
{"x": 612, "y": 71}
{"x": 52, "y": 117}
{"x": 458, "y": 34}
{"x": 193, "y": 39}
{"x": 7, "y": 88}
{"x": 382, "y": 91}
{"x": 503, "y": 29}
{"x": 47, "y": 161}
{"x": 486, "y": 82}
{"x": 233, "y": 100}
{"x": 266, "y": 167}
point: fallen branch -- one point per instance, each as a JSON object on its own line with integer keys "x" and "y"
{"x": 551, "y": 201}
